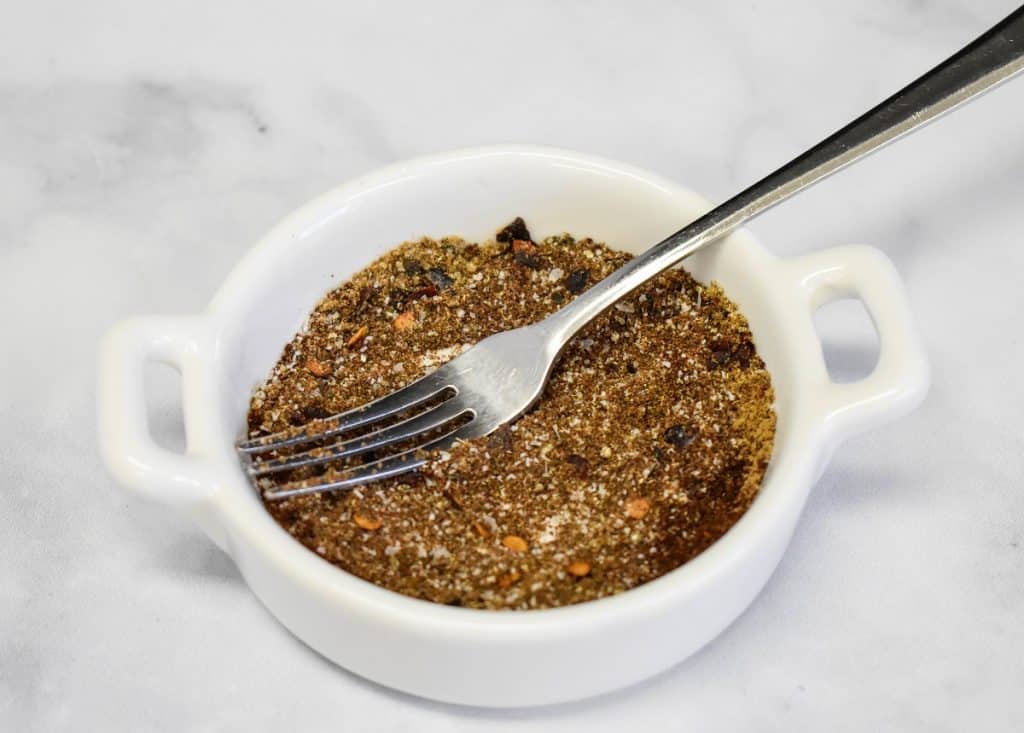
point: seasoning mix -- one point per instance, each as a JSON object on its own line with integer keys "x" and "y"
{"x": 650, "y": 441}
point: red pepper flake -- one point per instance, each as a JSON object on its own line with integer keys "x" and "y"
{"x": 404, "y": 321}
{"x": 515, "y": 543}
{"x": 317, "y": 368}
{"x": 523, "y": 246}
{"x": 637, "y": 508}
{"x": 525, "y": 253}
{"x": 370, "y": 524}
{"x": 357, "y": 337}
{"x": 427, "y": 291}
{"x": 579, "y": 568}
{"x": 508, "y": 580}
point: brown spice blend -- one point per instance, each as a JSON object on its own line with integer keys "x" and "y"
{"x": 651, "y": 440}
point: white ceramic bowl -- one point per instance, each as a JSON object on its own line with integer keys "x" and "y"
{"x": 484, "y": 657}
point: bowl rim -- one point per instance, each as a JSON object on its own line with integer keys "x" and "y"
{"x": 788, "y": 479}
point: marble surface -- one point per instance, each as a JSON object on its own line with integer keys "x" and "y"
{"x": 143, "y": 148}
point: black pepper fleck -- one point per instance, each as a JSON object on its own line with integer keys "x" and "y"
{"x": 679, "y": 436}
{"x": 577, "y": 281}
{"x": 439, "y": 278}
{"x": 516, "y": 229}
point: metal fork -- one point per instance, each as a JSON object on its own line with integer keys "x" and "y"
{"x": 502, "y": 376}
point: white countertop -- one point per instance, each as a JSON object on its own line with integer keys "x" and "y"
{"x": 138, "y": 141}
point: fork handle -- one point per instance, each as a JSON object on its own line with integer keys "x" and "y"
{"x": 992, "y": 58}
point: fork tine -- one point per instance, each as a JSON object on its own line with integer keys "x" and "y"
{"x": 406, "y": 398}
{"x": 384, "y": 468}
{"x": 425, "y": 422}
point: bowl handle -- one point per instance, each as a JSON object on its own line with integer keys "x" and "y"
{"x": 182, "y": 480}
{"x": 900, "y": 379}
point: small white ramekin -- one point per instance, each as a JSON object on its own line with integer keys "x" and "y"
{"x": 482, "y": 657}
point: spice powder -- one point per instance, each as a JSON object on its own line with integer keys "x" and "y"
{"x": 650, "y": 441}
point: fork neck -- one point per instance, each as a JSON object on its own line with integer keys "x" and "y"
{"x": 566, "y": 322}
